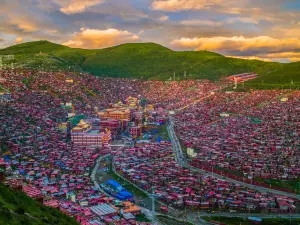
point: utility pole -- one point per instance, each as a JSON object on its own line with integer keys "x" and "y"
{"x": 153, "y": 197}
{"x": 292, "y": 83}
{"x": 235, "y": 83}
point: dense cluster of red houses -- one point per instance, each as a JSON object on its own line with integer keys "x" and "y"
{"x": 83, "y": 90}
{"x": 172, "y": 95}
{"x": 153, "y": 165}
{"x": 38, "y": 159}
{"x": 90, "y": 91}
{"x": 255, "y": 133}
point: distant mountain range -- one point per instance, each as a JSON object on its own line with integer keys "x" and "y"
{"x": 148, "y": 61}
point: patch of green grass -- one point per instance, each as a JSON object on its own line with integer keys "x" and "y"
{"x": 137, "y": 60}
{"x": 169, "y": 220}
{"x": 4, "y": 147}
{"x": 142, "y": 218}
{"x": 15, "y": 207}
{"x": 293, "y": 185}
{"x": 27, "y": 81}
{"x": 75, "y": 120}
{"x": 79, "y": 98}
{"x": 283, "y": 76}
{"x": 162, "y": 132}
{"x": 233, "y": 172}
{"x": 244, "y": 221}
{"x": 228, "y": 220}
{"x": 280, "y": 221}
{"x": 128, "y": 186}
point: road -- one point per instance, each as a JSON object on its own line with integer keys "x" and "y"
{"x": 196, "y": 101}
{"x": 99, "y": 176}
{"x": 181, "y": 159}
{"x": 193, "y": 217}
{"x": 246, "y": 215}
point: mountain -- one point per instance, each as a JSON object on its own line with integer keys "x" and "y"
{"x": 149, "y": 61}
{"x": 145, "y": 60}
{"x": 285, "y": 75}
{"x": 18, "y": 208}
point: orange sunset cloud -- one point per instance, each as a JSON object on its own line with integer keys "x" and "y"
{"x": 93, "y": 38}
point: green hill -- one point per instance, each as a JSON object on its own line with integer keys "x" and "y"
{"x": 145, "y": 60}
{"x": 45, "y": 55}
{"x": 284, "y": 76}
{"x": 149, "y": 61}
{"x": 17, "y": 208}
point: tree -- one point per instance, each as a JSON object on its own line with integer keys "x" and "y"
{"x": 20, "y": 210}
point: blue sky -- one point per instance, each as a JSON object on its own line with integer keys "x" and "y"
{"x": 262, "y": 29}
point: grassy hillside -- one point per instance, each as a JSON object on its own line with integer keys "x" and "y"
{"x": 149, "y": 61}
{"x": 32, "y": 47}
{"x": 45, "y": 55}
{"x": 284, "y": 76}
{"x": 17, "y": 208}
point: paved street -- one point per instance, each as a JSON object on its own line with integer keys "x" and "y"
{"x": 99, "y": 175}
{"x": 182, "y": 161}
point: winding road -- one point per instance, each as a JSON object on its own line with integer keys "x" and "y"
{"x": 181, "y": 159}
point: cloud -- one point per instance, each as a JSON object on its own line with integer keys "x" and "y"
{"x": 66, "y": 6}
{"x": 30, "y": 22}
{"x": 19, "y": 40}
{"x": 24, "y": 23}
{"x": 292, "y": 56}
{"x": 246, "y": 10}
{"x": 201, "y": 23}
{"x": 252, "y": 58}
{"x": 242, "y": 20}
{"x": 288, "y": 31}
{"x": 76, "y": 6}
{"x": 238, "y": 43}
{"x": 163, "y": 18}
{"x": 51, "y": 31}
{"x": 250, "y": 11}
{"x": 45, "y": 5}
{"x": 261, "y": 46}
{"x": 93, "y": 38}
{"x": 1, "y": 39}
{"x": 212, "y": 23}
{"x": 180, "y": 5}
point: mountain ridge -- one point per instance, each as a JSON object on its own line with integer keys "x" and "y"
{"x": 149, "y": 61}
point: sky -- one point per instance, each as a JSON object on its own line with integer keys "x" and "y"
{"x": 253, "y": 29}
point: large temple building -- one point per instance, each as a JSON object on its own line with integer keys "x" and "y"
{"x": 84, "y": 135}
